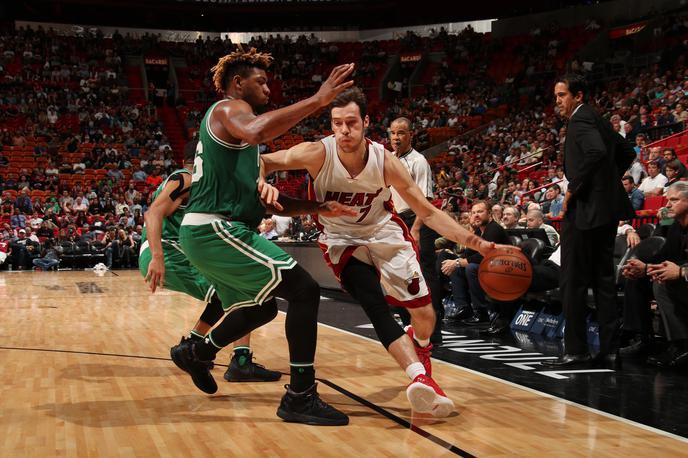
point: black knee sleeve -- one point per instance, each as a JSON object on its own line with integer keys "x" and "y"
{"x": 213, "y": 311}
{"x": 240, "y": 322}
{"x": 302, "y": 293}
{"x": 361, "y": 281}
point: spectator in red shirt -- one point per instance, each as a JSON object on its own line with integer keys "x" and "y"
{"x": 154, "y": 179}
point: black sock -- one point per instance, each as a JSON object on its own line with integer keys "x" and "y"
{"x": 234, "y": 326}
{"x": 302, "y": 378}
{"x": 243, "y": 355}
{"x": 193, "y": 335}
{"x": 206, "y": 350}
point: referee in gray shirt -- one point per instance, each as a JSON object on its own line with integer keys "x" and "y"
{"x": 401, "y": 135}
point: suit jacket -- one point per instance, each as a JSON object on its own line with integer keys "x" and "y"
{"x": 595, "y": 158}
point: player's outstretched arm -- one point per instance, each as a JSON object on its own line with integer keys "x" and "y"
{"x": 174, "y": 193}
{"x": 238, "y": 118}
{"x": 304, "y": 156}
{"x": 398, "y": 177}
{"x": 294, "y": 207}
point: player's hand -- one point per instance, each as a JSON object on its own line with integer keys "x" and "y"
{"x": 333, "y": 208}
{"x": 632, "y": 239}
{"x": 156, "y": 274}
{"x": 666, "y": 271}
{"x": 487, "y": 247}
{"x": 335, "y": 84}
{"x": 269, "y": 195}
{"x": 633, "y": 269}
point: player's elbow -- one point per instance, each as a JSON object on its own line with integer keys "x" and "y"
{"x": 254, "y": 134}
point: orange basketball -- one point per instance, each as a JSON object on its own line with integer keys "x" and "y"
{"x": 505, "y": 274}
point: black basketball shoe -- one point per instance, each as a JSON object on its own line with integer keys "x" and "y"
{"x": 184, "y": 357}
{"x": 243, "y": 369}
{"x": 186, "y": 341}
{"x": 308, "y": 408}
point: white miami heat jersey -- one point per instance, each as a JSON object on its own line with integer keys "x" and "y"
{"x": 367, "y": 192}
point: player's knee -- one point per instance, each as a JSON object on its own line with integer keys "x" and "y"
{"x": 268, "y": 311}
{"x": 259, "y": 315}
{"x": 424, "y": 314}
{"x": 299, "y": 287}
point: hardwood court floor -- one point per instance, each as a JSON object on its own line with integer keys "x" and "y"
{"x": 85, "y": 372}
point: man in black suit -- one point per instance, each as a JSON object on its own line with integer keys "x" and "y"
{"x": 595, "y": 157}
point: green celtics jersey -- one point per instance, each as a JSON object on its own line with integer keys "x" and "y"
{"x": 170, "y": 225}
{"x": 225, "y": 178}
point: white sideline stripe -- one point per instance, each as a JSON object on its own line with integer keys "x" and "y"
{"x": 534, "y": 391}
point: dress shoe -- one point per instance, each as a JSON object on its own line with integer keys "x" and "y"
{"x": 568, "y": 360}
{"x": 607, "y": 361}
{"x": 498, "y": 326}
{"x": 465, "y": 312}
{"x": 638, "y": 346}
{"x": 476, "y": 319}
{"x": 674, "y": 356}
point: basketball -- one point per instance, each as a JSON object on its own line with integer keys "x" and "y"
{"x": 505, "y": 274}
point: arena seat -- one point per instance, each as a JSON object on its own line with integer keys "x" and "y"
{"x": 533, "y": 248}
{"x": 654, "y": 202}
{"x": 646, "y": 230}
{"x": 647, "y": 250}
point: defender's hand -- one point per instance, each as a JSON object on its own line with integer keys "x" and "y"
{"x": 335, "y": 84}
{"x": 269, "y": 194}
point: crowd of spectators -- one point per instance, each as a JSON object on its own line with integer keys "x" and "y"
{"x": 65, "y": 110}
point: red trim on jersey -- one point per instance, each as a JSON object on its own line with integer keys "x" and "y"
{"x": 343, "y": 259}
{"x": 407, "y": 234}
{"x": 414, "y": 303}
{"x": 411, "y": 304}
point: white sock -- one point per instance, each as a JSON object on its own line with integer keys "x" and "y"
{"x": 414, "y": 370}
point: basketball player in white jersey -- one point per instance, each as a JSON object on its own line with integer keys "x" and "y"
{"x": 373, "y": 254}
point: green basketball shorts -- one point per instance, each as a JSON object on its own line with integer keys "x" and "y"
{"x": 180, "y": 274}
{"x": 243, "y": 267}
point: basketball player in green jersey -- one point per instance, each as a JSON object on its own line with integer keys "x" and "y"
{"x": 218, "y": 232}
{"x": 162, "y": 263}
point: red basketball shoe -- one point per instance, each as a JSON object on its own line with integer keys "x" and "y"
{"x": 426, "y": 396}
{"x": 423, "y": 353}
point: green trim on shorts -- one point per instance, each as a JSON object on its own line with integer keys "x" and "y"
{"x": 243, "y": 267}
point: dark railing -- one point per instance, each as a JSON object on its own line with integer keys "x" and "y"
{"x": 659, "y": 132}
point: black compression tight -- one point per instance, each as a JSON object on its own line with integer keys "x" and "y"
{"x": 213, "y": 311}
{"x": 362, "y": 282}
{"x": 303, "y": 295}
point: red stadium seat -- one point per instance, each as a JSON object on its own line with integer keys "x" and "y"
{"x": 654, "y": 202}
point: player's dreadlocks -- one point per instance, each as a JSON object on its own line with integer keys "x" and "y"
{"x": 239, "y": 62}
